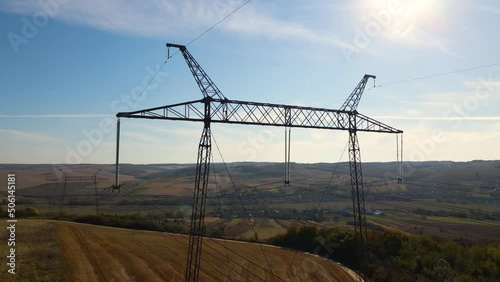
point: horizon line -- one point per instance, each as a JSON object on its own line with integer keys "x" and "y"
{"x": 269, "y": 162}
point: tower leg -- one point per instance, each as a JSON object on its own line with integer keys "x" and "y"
{"x": 63, "y": 196}
{"x": 117, "y": 166}
{"x": 199, "y": 203}
{"x": 96, "y": 196}
{"x": 358, "y": 199}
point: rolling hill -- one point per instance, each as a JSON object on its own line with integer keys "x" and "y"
{"x": 66, "y": 251}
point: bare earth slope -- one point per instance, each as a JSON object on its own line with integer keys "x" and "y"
{"x": 95, "y": 253}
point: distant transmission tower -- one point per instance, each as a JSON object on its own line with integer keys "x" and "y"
{"x": 79, "y": 179}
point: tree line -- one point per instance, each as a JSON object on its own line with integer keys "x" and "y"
{"x": 395, "y": 256}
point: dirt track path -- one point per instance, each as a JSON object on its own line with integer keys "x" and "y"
{"x": 96, "y": 253}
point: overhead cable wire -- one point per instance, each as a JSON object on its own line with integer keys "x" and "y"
{"x": 322, "y": 196}
{"x": 190, "y": 42}
{"x": 134, "y": 196}
{"x": 438, "y": 74}
{"x": 244, "y": 209}
{"x": 217, "y": 23}
{"x": 212, "y": 27}
{"x": 221, "y": 214}
{"x": 205, "y": 251}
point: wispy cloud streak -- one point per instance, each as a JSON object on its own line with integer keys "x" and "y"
{"x": 492, "y": 118}
{"x": 177, "y": 18}
{"x": 58, "y": 116}
{"x": 29, "y": 136}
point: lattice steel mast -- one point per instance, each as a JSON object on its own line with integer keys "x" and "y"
{"x": 357, "y": 189}
{"x": 216, "y": 108}
{"x": 80, "y": 178}
{"x": 199, "y": 199}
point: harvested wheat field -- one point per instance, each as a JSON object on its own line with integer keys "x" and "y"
{"x": 95, "y": 253}
{"x": 82, "y": 252}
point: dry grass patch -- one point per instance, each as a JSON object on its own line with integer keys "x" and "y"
{"x": 38, "y": 252}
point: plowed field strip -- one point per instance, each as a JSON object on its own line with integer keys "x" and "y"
{"x": 96, "y": 253}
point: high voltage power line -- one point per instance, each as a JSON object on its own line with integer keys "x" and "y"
{"x": 221, "y": 213}
{"x": 190, "y": 42}
{"x": 238, "y": 194}
{"x": 135, "y": 197}
{"x": 435, "y": 75}
{"x": 392, "y": 204}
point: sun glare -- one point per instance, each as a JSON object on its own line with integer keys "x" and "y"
{"x": 406, "y": 20}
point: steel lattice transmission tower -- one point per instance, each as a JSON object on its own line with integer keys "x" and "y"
{"x": 216, "y": 108}
{"x": 80, "y": 179}
{"x": 357, "y": 188}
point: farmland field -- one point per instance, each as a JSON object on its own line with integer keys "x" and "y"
{"x": 80, "y": 252}
{"x": 457, "y": 201}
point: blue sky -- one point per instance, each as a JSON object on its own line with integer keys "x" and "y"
{"x": 69, "y": 66}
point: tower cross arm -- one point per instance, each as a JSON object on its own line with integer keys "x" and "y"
{"x": 364, "y": 123}
{"x": 255, "y": 113}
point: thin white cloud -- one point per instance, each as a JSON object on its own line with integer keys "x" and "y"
{"x": 417, "y": 37}
{"x": 430, "y": 103}
{"x": 10, "y": 133}
{"x": 487, "y": 84}
{"x": 482, "y": 89}
{"x": 426, "y": 141}
{"x": 465, "y": 118}
{"x": 188, "y": 130}
{"x": 140, "y": 137}
{"x": 159, "y": 19}
{"x": 154, "y": 18}
{"x": 58, "y": 116}
{"x": 253, "y": 22}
